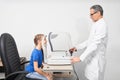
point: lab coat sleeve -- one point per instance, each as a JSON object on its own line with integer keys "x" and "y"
{"x": 97, "y": 39}
{"x": 82, "y": 45}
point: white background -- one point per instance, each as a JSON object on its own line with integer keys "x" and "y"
{"x": 25, "y": 18}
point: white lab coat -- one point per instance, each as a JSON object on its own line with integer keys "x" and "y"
{"x": 94, "y": 54}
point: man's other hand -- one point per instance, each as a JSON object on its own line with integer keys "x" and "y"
{"x": 75, "y": 59}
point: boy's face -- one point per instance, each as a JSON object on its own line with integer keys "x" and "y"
{"x": 44, "y": 40}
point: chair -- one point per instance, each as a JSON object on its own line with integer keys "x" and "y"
{"x": 10, "y": 59}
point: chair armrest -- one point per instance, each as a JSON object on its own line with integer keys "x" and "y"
{"x": 15, "y": 73}
{"x": 22, "y": 63}
{"x": 23, "y": 60}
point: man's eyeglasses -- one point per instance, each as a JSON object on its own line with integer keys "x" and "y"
{"x": 93, "y": 13}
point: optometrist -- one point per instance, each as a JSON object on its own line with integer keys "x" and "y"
{"x": 95, "y": 46}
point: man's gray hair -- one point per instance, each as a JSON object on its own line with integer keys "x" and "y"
{"x": 97, "y": 8}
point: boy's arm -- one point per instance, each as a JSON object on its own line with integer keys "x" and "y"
{"x": 39, "y": 70}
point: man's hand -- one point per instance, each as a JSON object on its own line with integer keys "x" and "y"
{"x": 72, "y": 50}
{"x": 75, "y": 59}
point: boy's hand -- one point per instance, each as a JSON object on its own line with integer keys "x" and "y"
{"x": 49, "y": 76}
{"x": 42, "y": 66}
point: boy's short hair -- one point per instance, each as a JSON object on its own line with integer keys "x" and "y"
{"x": 38, "y": 37}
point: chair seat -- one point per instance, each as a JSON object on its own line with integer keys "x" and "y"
{"x": 23, "y": 77}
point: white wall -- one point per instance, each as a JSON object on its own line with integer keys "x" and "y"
{"x": 25, "y": 18}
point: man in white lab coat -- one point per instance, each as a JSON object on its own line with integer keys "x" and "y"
{"x": 95, "y": 46}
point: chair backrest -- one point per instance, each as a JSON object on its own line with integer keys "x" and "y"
{"x": 9, "y": 54}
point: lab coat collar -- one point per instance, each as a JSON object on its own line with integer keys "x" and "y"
{"x": 101, "y": 19}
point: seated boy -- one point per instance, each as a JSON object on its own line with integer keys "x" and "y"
{"x": 36, "y": 60}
